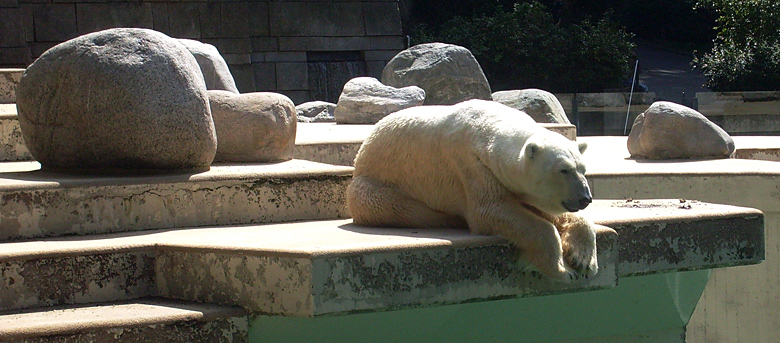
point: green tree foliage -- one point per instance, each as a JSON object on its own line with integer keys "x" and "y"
{"x": 746, "y": 54}
{"x": 528, "y": 48}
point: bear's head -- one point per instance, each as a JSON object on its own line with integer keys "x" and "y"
{"x": 551, "y": 175}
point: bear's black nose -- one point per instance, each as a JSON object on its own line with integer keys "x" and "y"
{"x": 585, "y": 201}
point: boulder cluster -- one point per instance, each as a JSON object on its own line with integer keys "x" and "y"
{"x": 129, "y": 99}
{"x": 426, "y": 74}
{"x": 136, "y": 99}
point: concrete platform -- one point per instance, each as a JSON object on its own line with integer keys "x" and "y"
{"x": 140, "y": 320}
{"x": 36, "y": 203}
{"x": 316, "y": 268}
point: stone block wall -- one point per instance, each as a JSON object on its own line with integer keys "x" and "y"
{"x": 269, "y": 45}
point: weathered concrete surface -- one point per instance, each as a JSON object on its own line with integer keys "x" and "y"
{"x": 72, "y": 279}
{"x": 349, "y": 268}
{"x": 333, "y": 267}
{"x": 141, "y": 320}
{"x": 766, "y": 148}
{"x": 12, "y": 145}
{"x": 742, "y": 113}
{"x": 685, "y": 235}
{"x": 45, "y": 204}
{"x": 318, "y": 268}
{"x": 738, "y": 103}
{"x": 9, "y": 79}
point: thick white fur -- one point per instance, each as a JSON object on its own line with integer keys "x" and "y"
{"x": 481, "y": 165}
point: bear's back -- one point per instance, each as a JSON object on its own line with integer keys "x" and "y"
{"x": 430, "y": 151}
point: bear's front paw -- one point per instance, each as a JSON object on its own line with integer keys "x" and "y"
{"x": 579, "y": 249}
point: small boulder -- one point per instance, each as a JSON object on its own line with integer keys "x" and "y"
{"x": 541, "y": 105}
{"x": 213, "y": 67}
{"x": 253, "y": 127}
{"x": 119, "y": 98}
{"x": 448, "y": 73}
{"x": 365, "y": 100}
{"x": 670, "y": 131}
{"x": 316, "y": 112}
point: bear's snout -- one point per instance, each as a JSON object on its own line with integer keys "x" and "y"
{"x": 579, "y": 204}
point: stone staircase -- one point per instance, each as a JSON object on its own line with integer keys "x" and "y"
{"x": 194, "y": 257}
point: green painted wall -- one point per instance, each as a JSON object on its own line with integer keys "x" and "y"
{"x": 639, "y": 307}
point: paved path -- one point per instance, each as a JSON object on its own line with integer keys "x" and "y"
{"x": 669, "y": 74}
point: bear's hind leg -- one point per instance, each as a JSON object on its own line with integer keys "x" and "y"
{"x": 375, "y": 203}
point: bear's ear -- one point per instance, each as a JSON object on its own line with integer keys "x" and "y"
{"x": 531, "y": 149}
{"x": 583, "y": 146}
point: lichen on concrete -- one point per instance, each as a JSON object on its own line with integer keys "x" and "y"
{"x": 80, "y": 210}
{"x": 75, "y": 279}
{"x": 12, "y": 146}
{"x": 267, "y": 284}
{"x": 690, "y": 245}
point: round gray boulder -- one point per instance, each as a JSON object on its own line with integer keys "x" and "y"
{"x": 316, "y": 112}
{"x": 213, "y": 67}
{"x": 541, "y": 105}
{"x": 119, "y": 98}
{"x": 365, "y": 100}
{"x": 253, "y": 127}
{"x": 670, "y": 131}
{"x": 448, "y": 73}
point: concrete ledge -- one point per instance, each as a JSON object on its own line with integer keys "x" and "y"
{"x": 45, "y": 204}
{"x": 613, "y": 175}
{"x": 36, "y": 277}
{"x": 738, "y": 103}
{"x": 9, "y": 78}
{"x": 325, "y": 268}
{"x": 339, "y": 143}
{"x": 766, "y": 148}
{"x": 142, "y": 320}
{"x": 12, "y": 145}
{"x": 331, "y": 267}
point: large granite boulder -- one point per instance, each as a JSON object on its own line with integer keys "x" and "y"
{"x": 316, "y": 112}
{"x": 541, "y": 105}
{"x": 213, "y": 67}
{"x": 448, "y": 73}
{"x": 670, "y": 131}
{"x": 119, "y": 98}
{"x": 253, "y": 127}
{"x": 365, "y": 100}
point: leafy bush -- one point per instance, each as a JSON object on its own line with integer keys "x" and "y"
{"x": 746, "y": 54}
{"x": 526, "y": 48}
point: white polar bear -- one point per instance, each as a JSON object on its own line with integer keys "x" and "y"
{"x": 485, "y": 166}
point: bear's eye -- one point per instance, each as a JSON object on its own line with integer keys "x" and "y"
{"x": 565, "y": 171}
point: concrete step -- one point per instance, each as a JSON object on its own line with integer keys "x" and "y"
{"x": 139, "y": 320}
{"x": 36, "y": 203}
{"x": 12, "y": 145}
{"x": 9, "y": 79}
{"x": 317, "y": 268}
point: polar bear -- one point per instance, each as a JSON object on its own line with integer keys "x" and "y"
{"x": 483, "y": 166}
